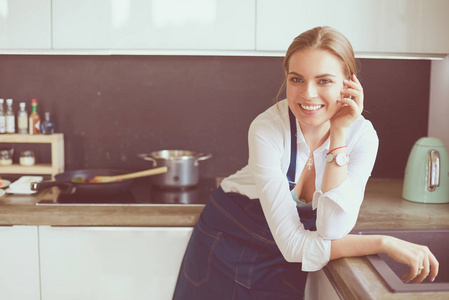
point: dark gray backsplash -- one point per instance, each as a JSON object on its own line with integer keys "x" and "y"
{"x": 110, "y": 108}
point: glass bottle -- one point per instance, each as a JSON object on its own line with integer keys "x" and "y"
{"x": 10, "y": 118}
{"x": 2, "y": 117}
{"x": 22, "y": 119}
{"x": 47, "y": 126}
{"x": 35, "y": 120}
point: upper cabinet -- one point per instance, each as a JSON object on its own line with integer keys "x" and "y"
{"x": 25, "y": 24}
{"x": 382, "y": 28}
{"x": 154, "y": 24}
{"x": 372, "y": 26}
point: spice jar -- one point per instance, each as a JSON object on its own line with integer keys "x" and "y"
{"x": 27, "y": 158}
{"x": 6, "y": 157}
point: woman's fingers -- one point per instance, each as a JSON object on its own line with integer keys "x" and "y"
{"x": 422, "y": 266}
{"x": 414, "y": 271}
{"x": 352, "y": 104}
{"x": 423, "y": 271}
{"x": 434, "y": 267}
{"x": 353, "y": 89}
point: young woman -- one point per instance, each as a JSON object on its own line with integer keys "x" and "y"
{"x": 289, "y": 211}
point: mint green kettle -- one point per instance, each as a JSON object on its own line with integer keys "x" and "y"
{"x": 426, "y": 178}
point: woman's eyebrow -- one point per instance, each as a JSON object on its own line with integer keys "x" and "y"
{"x": 325, "y": 75}
{"x": 318, "y": 76}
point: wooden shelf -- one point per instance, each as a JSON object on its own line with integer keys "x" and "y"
{"x": 31, "y": 138}
{"x": 19, "y": 169}
{"x": 57, "y": 154}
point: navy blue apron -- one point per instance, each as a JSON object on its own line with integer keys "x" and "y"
{"x": 232, "y": 254}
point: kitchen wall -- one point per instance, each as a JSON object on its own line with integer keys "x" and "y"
{"x": 110, "y": 108}
{"x": 439, "y": 101}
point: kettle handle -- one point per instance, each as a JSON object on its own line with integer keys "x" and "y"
{"x": 433, "y": 177}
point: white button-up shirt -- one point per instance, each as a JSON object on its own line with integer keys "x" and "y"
{"x": 265, "y": 178}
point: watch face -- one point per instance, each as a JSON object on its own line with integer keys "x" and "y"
{"x": 340, "y": 159}
{"x": 329, "y": 157}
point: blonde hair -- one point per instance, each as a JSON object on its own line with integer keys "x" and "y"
{"x": 323, "y": 38}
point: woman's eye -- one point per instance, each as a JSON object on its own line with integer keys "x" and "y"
{"x": 296, "y": 79}
{"x": 325, "y": 81}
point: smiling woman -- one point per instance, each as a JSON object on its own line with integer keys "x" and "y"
{"x": 289, "y": 211}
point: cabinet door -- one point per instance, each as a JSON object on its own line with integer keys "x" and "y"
{"x": 110, "y": 262}
{"x": 154, "y": 24}
{"x": 81, "y": 24}
{"x": 25, "y": 24}
{"x": 19, "y": 263}
{"x": 382, "y": 26}
{"x": 319, "y": 287}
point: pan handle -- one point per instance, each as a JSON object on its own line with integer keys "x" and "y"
{"x": 148, "y": 157}
{"x": 66, "y": 187}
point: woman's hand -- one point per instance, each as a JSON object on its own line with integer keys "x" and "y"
{"x": 417, "y": 257}
{"x": 350, "y": 104}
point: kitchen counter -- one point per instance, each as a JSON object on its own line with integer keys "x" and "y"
{"x": 383, "y": 208}
{"x": 140, "y": 206}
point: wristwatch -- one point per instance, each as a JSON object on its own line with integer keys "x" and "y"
{"x": 341, "y": 159}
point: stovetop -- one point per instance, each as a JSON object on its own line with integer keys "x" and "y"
{"x": 141, "y": 193}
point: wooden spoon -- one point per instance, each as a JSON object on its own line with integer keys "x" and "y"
{"x": 104, "y": 179}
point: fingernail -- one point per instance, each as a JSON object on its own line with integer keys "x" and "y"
{"x": 354, "y": 75}
{"x": 345, "y": 81}
{"x": 342, "y": 90}
{"x": 432, "y": 279}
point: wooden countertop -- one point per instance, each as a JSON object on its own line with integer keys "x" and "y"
{"x": 22, "y": 210}
{"x": 383, "y": 208}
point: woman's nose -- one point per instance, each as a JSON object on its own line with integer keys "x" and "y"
{"x": 310, "y": 91}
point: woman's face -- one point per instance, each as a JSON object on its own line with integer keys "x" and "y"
{"x": 314, "y": 81}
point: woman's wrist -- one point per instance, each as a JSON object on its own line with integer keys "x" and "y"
{"x": 385, "y": 244}
{"x": 338, "y": 138}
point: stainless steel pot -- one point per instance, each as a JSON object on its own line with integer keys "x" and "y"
{"x": 182, "y": 167}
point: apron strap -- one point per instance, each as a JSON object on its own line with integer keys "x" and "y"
{"x": 293, "y": 140}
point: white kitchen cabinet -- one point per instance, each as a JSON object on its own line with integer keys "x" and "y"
{"x": 25, "y": 24}
{"x": 319, "y": 287}
{"x": 372, "y": 26}
{"x": 110, "y": 262}
{"x": 19, "y": 263}
{"x": 154, "y": 24}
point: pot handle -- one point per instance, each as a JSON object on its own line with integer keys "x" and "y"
{"x": 202, "y": 156}
{"x": 66, "y": 187}
{"x": 149, "y": 158}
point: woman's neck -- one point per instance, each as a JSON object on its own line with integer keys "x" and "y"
{"x": 316, "y": 136}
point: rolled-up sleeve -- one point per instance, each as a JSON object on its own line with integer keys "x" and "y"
{"x": 265, "y": 159}
{"x": 338, "y": 209}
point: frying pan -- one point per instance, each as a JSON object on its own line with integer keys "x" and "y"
{"x": 64, "y": 182}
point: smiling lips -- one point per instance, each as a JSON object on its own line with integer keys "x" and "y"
{"x": 310, "y": 107}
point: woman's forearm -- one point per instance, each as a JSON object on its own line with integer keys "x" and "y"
{"x": 353, "y": 245}
{"x": 334, "y": 175}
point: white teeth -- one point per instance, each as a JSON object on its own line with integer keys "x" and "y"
{"x": 310, "y": 107}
